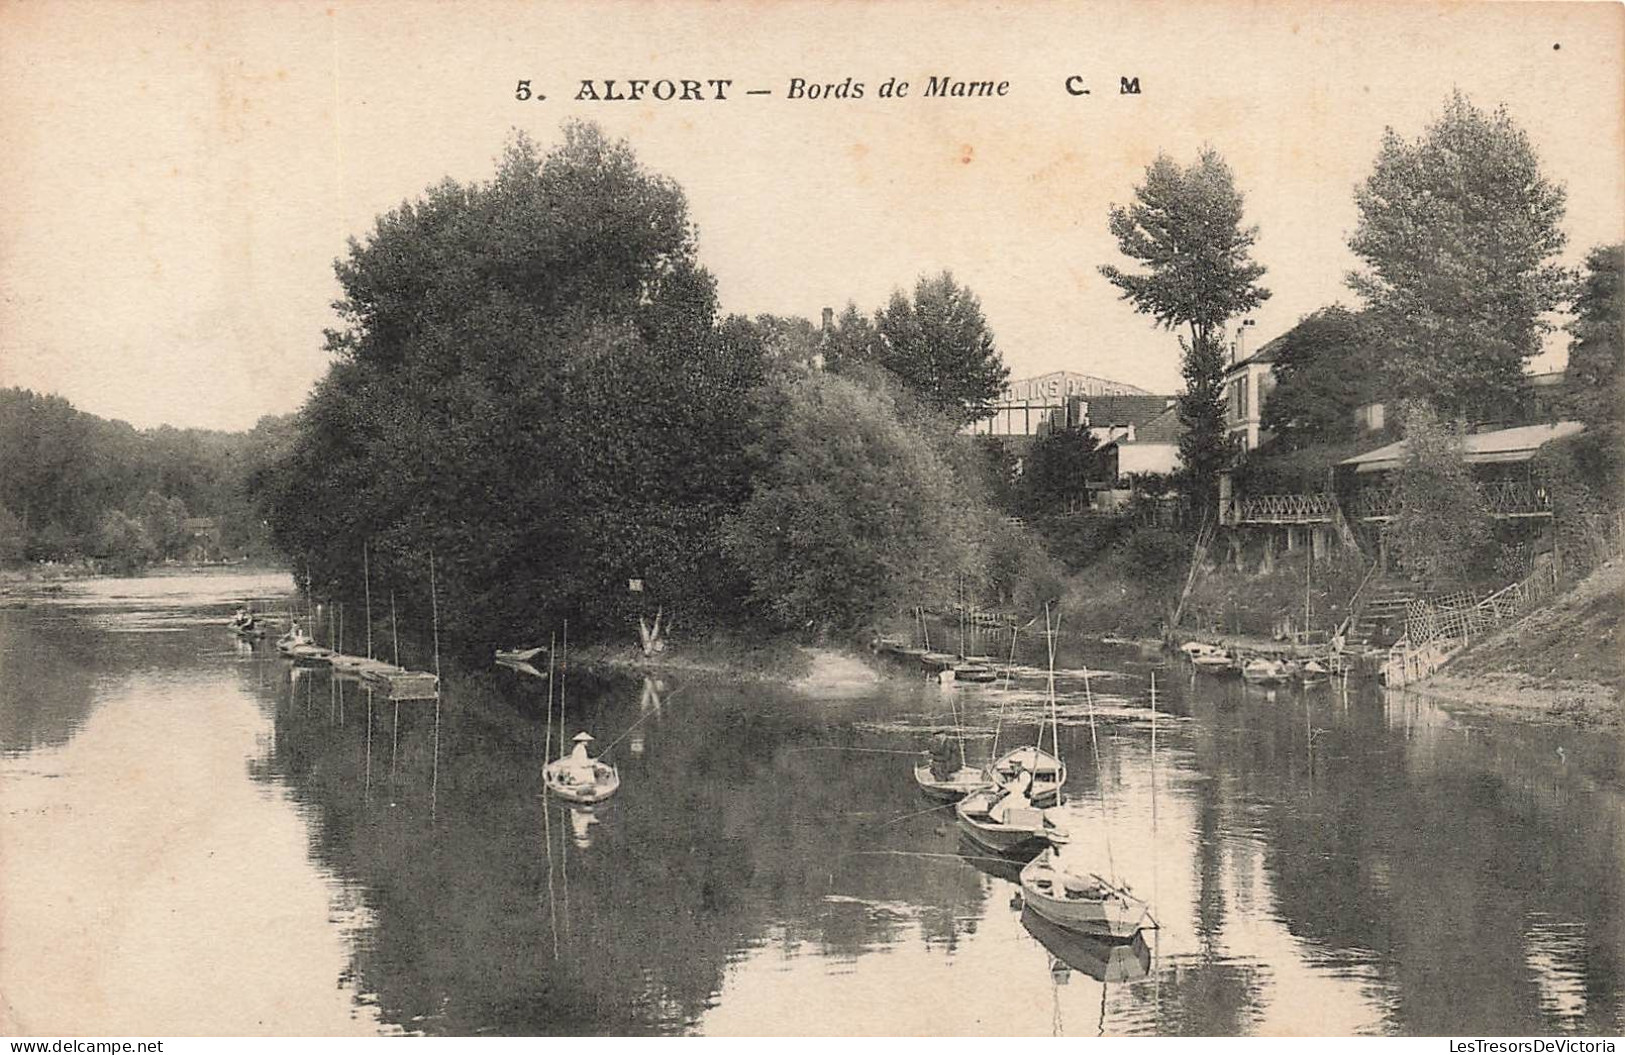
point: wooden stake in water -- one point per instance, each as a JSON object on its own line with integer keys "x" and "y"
{"x": 434, "y": 607}
{"x": 366, "y": 578}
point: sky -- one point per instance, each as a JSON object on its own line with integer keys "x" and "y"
{"x": 179, "y": 177}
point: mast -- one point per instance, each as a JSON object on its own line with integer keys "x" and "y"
{"x": 394, "y": 631}
{"x": 563, "y": 663}
{"x": 366, "y": 578}
{"x": 552, "y": 655}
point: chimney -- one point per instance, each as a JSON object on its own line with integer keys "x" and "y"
{"x": 829, "y": 319}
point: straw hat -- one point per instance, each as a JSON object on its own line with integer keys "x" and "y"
{"x": 582, "y": 738}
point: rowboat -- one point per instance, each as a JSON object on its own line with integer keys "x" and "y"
{"x": 1004, "y": 829}
{"x": 961, "y": 782}
{"x": 577, "y": 778}
{"x": 1260, "y": 671}
{"x": 1048, "y": 773}
{"x": 248, "y": 629}
{"x": 518, "y": 655}
{"x": 975, "y": 672}
{"x": 1215, "y": 661}
{"x": 1080, "y": 900}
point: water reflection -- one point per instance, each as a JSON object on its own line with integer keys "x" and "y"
{"x": 1320, "y": 858}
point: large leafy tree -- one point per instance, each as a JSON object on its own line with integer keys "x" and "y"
{"x": 939, "y": 345}
{"x": 1459, "y": 232}
{"x": 856, "y": 514}
{"x": 1057, "y": 470}
{"x": 529, "y": 381}
{"x": 1596, "y": 367}
{"x": 1323, "y": 374}
{"x": 1185, "y": 229}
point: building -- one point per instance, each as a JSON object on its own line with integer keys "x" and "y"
{"x": 1247, "y": 385}
{"x": 1032, "y": 405}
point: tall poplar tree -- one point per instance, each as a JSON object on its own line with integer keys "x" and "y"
{"x": 1185, "y": 229}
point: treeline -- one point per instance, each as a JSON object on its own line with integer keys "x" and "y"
{"x": 75, "y": 487}
{"x": 533, "y": 383}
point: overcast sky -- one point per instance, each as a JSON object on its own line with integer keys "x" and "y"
{"x": 178, "y": 178}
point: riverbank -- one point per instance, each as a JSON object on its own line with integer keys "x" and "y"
{"x": 1561, "y": 662}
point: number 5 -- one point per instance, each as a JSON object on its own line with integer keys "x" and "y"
{"x": 523, "y": 91}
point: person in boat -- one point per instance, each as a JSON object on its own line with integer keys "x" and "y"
{"x": 1014, "y": 798}
{"x": 579, "y": 768}
{"x": 244, "y": 618}
{"x": 942, "y": 757}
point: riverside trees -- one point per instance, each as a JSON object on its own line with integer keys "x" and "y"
{"x": 532, "y": 381}
{"x": 1459, "y": 231}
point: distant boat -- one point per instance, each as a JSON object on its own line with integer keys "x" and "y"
{"x": 1261, "y": 671}
{"x": 518, "y": 655}
{"x": 1082, "y": 900}
{"x": 961, "y": 782}
{"x": 975, "y": 672}
{"x": 1212, "y": 658}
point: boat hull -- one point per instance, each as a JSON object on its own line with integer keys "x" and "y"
{"x": 1023, "y": 832}
{"x": 606, "y": 781}
{"x": 1048, "y": 773}
{"x": 1085, "y": 903}
{"x": 960, "y": 783}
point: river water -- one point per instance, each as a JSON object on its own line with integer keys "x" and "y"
{"x": 196, "y": 838}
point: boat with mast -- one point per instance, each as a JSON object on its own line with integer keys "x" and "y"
{"x": 1005, "y": 819}
{"x": 1076, "y": 899}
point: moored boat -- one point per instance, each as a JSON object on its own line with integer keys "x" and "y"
{"x": 518, "y": 655}
{"x": 1083, "y": 901}
{"x": 1006, "y": 822}
{"x": 1262, "y": 671}
{"x": 1048, "y": 773}
{"x": 962, "y": 782}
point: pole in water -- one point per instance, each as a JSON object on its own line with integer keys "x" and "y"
{"x": 434, "y": 607}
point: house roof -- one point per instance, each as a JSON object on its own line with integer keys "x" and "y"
{"x": 1502, "y": 445}
{"x": 1102, "y": 411}
{"x": 1265, "y": 354}
{"x": 1164, "y": 428}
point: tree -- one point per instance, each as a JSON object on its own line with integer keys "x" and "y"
{"x": 1443, "y": 528}
{"x": 854, "y": 515}
{"x": 1596, "y": 367}
{"x": 1185, "y": 228}
{"x": 1323, "y": 373}
{"x": 541, "y": 348}
{"x": 1459, "y": 231}
{"x": 1058, "y": 468}
{"x": 939, "y": 345}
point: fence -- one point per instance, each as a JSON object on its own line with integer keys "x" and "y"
{"x": 1436, "y": 630}
{"x": 1285, "y": 509}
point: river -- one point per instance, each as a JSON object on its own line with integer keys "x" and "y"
{"x": 197, "y": 838}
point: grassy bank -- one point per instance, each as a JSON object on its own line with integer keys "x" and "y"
{"x": 1562, "y": 661}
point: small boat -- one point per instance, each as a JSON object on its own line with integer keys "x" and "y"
{"x": 1216, "y": 660}
{"x": 1004, "y": 828}
{"x": 399, "y": 684}
{"x": 1048, "y": 773}
{"x": 580, "y": 779}
{"x": 1192, "y": 649}
{"x": 1082, "y": 901}
{"x": 291, "y": 640}
{"x": 934, "y": 661}
{"x": 1314, "y": 670}
{"x": 975, "y": 672}
{"x": 518, "y": 655}
{"x": 309, "y": 654}
{"x": 1261, "y": 671}
{"x": 963, "y": 781}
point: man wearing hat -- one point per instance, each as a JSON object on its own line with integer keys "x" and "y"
{"x": 580, "y": 769}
